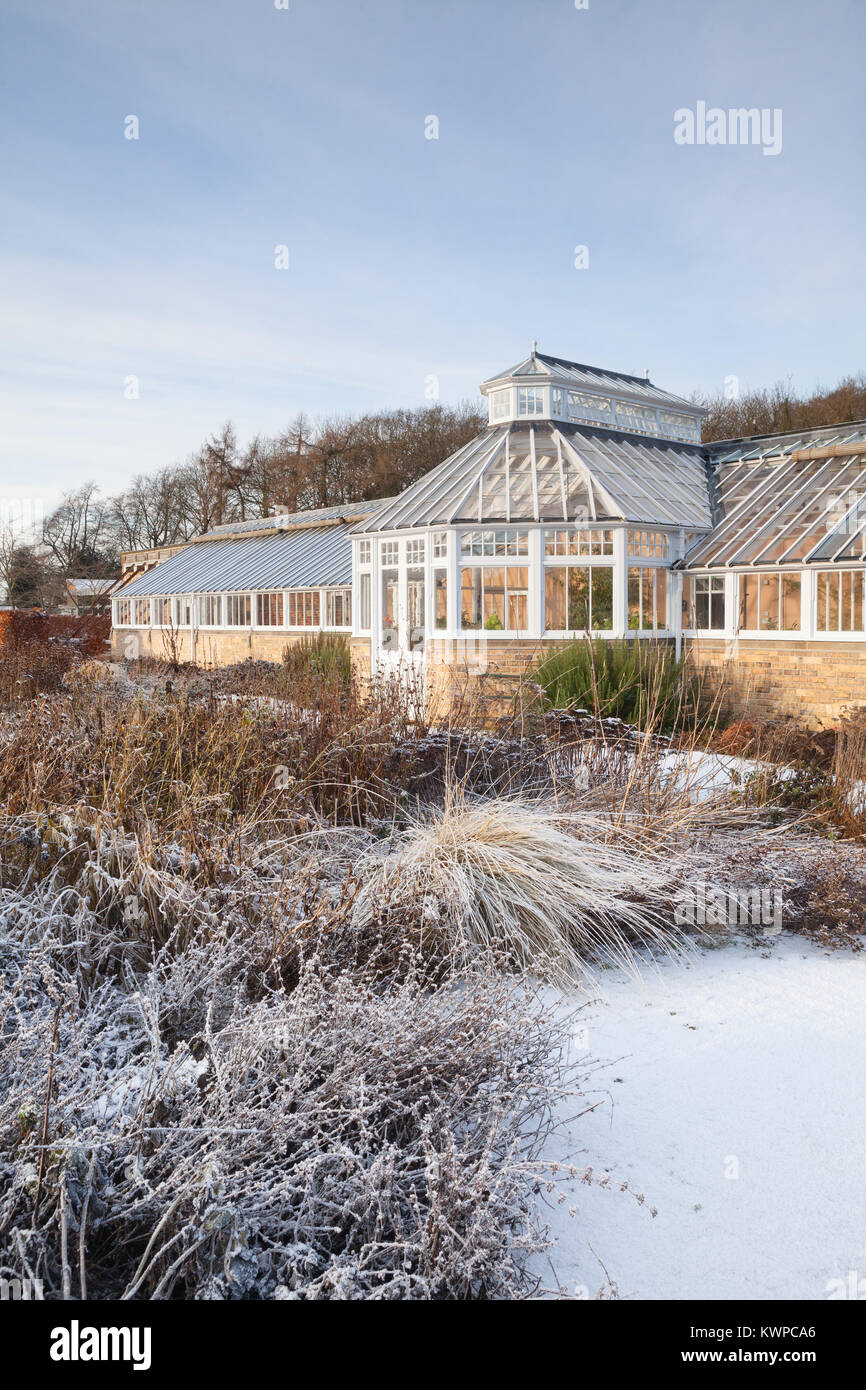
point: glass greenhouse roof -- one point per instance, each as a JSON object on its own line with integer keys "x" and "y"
{"x": 550, "y": 472}
{"x": 787, "y": 499}
{"x": 593, "y": 379}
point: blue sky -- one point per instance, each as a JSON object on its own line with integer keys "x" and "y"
{"x": 409, "y": 257}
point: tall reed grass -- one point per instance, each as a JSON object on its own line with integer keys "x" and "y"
{"x": 640, "y": 681}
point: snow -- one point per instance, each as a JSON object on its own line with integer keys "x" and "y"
{"x": 735, "y": 1058}
{"x": 705, "y": 775}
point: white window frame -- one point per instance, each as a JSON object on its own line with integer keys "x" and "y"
{"x": 535, "y": 394}
{"x": 802, "y": 633}
{"x": 240, "y": 597}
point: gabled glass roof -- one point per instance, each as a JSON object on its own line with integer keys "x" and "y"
{"x": 550, "y": 472}
{"x": 787, "y": 499}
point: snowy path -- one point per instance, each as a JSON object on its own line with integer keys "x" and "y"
{"x": 728, "y": 1060}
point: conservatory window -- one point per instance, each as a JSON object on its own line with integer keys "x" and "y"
{"x": 389, "y": 611}
{"x": 162, "y": 612}
{"x": 638, "y": 418}
{"x": 840, "y": 600}
{"x": 440, "y": 598}
{"x": 304, "y": 608}
{"x": 500, "y": 402}
{"x": 415, "y": 604}
{"x": 269, "y": 610}
{"x": 415, "y": 552}
{"x": 647, "y": 599}
{"x": 770, "y": 602}
{"x": 390, "y": 552}
{"x": 679, "y": 426}
{"x": 210, "y": 610}
{"x": 183, "y": 611}
{"x": 495, "y": 599}
{"x": 440, "y": 545}
{"x": 365, "y": 552}
{"x": 704, "y": 602}
{"x": 581, "y": 542}
{"x": 582, "y": 407}
{"x": 557, "y": 397}
{"x": 494, "y": 543}
{"x": 651, "y": 544}
{"x": 578, "y": 598}
{"x": 141, "y": 612}
{"x": 124, "y": 612}
{"x": 530, "y": 400}
{"x": 365, "y": 597}
{"x": 340, "y": 607}
{"x": 238, "y": 607}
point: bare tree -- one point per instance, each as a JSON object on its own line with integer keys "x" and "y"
{"x": 78, "y": 533}
{"x": 26, "y": 579}
{"x": 151, "y": 511}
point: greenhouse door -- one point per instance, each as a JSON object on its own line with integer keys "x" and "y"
{"x": 403, "y": 627}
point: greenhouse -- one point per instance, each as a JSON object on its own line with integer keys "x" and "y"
{"x": 588, "y": 506}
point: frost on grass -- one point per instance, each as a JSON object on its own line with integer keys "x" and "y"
{"x": 517, "y": 882}
{"x": 191, "y": 1130}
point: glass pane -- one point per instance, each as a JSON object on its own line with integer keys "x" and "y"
{"x": 554, "y": 598}
{"x": 602, "y": 598}
{"x": 415, "y": 609}
{"x": 661, "y": 582}
{"x": 768, "y": 602}
{"x": 833, "y": 603}
{"x": 578, "y": 599}
{"x": 389, "y": 612}
{"x": 493, "y": 600}
{"x": 470, "y": 598}
{"x": 857, "y": 603}
{"x": 518, "y": 593}
{"x": 689, "y": 618}
{"x": 633, "y": 599}
{"x": 749, "y": 599}
{"x": 440, "y": 598}
{"x": 823, "y": 599}
{"x": 702, "y": 606}
{"x": 790, "y": 602}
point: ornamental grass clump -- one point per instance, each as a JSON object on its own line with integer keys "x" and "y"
{"x": 516, "y": 883}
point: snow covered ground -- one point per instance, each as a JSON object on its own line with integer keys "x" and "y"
{"x": 734, "y": 1102}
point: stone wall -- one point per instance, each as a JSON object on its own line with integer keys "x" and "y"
{"x": 481, "y": 676}
{"x": 223, "y": 648}
{"x": 360, "y": 650}
{"x": 813, "y": 682}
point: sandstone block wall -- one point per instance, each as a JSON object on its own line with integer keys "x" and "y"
{"x": 813, "y": 682}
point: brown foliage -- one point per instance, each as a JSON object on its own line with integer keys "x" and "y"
{"x": 37, "y": 649}
{"x": 780, "y": 409}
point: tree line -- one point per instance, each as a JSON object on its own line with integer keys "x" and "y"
{"x": 312, "y": 463}
{"x": 780, "y": 409}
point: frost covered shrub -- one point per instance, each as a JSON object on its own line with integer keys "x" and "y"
{"x": 348, "y": 1138}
